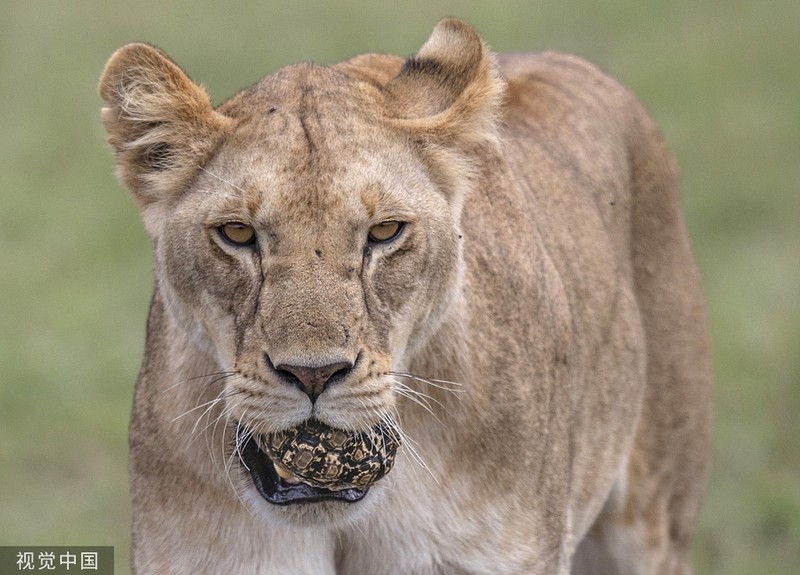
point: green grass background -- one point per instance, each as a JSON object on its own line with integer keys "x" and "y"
{"x": 721, "y": 77}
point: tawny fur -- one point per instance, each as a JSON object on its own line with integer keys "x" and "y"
{"x": 541, "y": 306}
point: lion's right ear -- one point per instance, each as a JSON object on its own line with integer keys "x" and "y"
{"x": 160, "y": 123}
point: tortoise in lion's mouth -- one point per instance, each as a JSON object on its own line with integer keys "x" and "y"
{"x": 314, "y": 462}
{"x": 330, "y": 458}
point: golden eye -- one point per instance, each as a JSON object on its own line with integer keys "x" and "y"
{"x": 385, "y": 231}
{"x": 237, "y": 234}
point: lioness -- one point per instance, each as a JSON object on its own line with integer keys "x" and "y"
{"x": 437, "y": 316}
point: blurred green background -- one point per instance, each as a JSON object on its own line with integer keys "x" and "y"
{"x": 722, "y": 79}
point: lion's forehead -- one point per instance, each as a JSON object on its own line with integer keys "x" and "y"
{"x": 308, "y": 134}
{"x": 308, "y": 107}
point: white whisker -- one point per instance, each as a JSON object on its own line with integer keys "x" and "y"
{"x": 220, "y": 376}
{"x": 423, "y": 400}
{"x": 214, "y": 425}
{"x": 392, "y": 422}
{"x": 230, "y": 459}
{"x": 437, "y": 383}
{"x": 223, "y": 180}
{"x": 208, "y": 405}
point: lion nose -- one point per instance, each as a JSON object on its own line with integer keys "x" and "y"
{"x": 313, "y": 380}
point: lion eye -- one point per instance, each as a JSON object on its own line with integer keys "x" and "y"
{"x": 237, "y": 234}
{"x": 385, "y": 231}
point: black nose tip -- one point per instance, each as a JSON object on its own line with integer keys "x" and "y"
{"x": 312, "y": 380}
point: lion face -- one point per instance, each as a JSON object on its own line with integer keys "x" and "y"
{"x": 317, "y": 255}
{"x": 306, "y": 235}
{"x": 307, "y": 252}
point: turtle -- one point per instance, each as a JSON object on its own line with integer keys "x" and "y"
{"x": 331, "y": 458}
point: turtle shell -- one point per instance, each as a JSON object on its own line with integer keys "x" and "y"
{"x": 331, "y": 458}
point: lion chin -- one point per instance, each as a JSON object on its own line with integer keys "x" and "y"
{"x": 433, "y": 315}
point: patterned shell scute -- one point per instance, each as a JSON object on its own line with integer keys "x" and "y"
{"x": 332, "y": 458}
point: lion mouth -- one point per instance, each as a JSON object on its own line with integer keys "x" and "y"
{"x": 313, "y": 462}
{"x": 287, "y": 490}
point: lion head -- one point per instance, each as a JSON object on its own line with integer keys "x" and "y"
{"x": 306, "y": 235}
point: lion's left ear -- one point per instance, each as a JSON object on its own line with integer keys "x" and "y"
{"x": 450, "y": 91}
